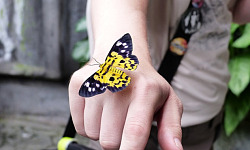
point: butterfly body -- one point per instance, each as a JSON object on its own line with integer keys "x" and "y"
{"x": 108, "y": 76}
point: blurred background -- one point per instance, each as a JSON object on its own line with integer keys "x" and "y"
{"x": 42, "y": 42}
{"x": 37, "y": 38}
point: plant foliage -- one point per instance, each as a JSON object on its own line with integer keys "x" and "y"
{"x": 81, "y": 48}
{"x": 237, "y": 103}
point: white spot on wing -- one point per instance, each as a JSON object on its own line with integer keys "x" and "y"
{"x": 124, "y": 44}
{"x": 87, "y": 84}
{"x": 97, "y": 85}
{"x": 123, "y": 51}
{"x": 93, "y": 89}
{"x": 118, "y": 43}
{"x": 89, "y": 89}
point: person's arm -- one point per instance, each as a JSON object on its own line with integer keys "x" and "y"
{"x": 123, "y": 120}
{"x": 111, "y": 19}
{"x": 241, "y": 12}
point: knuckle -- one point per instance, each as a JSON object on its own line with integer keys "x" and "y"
{"x": 134, "y": 130}
{"x": 175, "y": 129}
{"x": 110, "y": 139}
{"x": 177, "y": 102}
{"x": 147, "y": 85}
{"x": 76, "y": 81}
{"x": 80, "y": 131}
{"x": 109, "y": 144}
{"x": 75, "y": 77}
{"x": 180, "y": 106}
{"x": 92, "y": 135}
{"x": 150, "y": 84}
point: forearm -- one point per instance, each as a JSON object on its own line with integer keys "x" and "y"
{"x": 241, "y": 12}
{"x": 111, "y": 19}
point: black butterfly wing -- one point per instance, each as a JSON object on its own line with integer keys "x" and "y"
{"x": 121, "y": 54}
{"x": 92, "y": 87}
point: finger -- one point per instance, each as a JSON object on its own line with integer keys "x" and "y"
{"x": 113, "y": 118}
{"x": 169, "y": 123}
{"x": 92, "y": 117}
{"x": 137, "y": 126}
{"x": 77, "y": 104}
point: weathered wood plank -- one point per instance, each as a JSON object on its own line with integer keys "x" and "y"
{"x": 33, "y": 28}
{"x": 72, "y": 12}
{"x": 37, "y": 37}
{"x": 51, "y": 36}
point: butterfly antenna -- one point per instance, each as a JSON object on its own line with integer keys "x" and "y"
{"x": 92, "y": 64}
{"x": 96, "y": 61}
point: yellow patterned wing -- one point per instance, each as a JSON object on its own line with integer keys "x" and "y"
{"x": 128, "y": 63}
{"x": 115, "y": 79}
{"x": 108, "y": 76}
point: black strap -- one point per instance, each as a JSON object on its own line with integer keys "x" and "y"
{"x": 70, "y": 129}
{"x": 75, "y": 146}
{"x": 190, "y": 22}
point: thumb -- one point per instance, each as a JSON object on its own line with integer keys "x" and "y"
{"x": 169, "y": 123}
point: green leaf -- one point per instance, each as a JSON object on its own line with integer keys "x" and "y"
{"x": 236, "y": 109}
{"x": 244, "y": 40}
{"x": 239, "y": 67}
{"x": 81, "y": 51}
{"x": 247, "y": 28}
{"x": 234, "y": 27}
{"x": 81, "y": 25}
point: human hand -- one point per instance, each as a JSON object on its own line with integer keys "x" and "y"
{"x": 123, "y": 120}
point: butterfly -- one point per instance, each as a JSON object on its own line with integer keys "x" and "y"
{"x": 108, "y": 76}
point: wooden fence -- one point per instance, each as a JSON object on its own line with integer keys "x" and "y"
{"x": 37, "y": 37}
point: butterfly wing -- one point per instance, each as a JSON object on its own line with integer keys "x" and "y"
{"x": 120, "y": 54}
{"x": 108, "y": 76}
{"x": 92, "y": 86}
{"x": 116, "y": 80}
